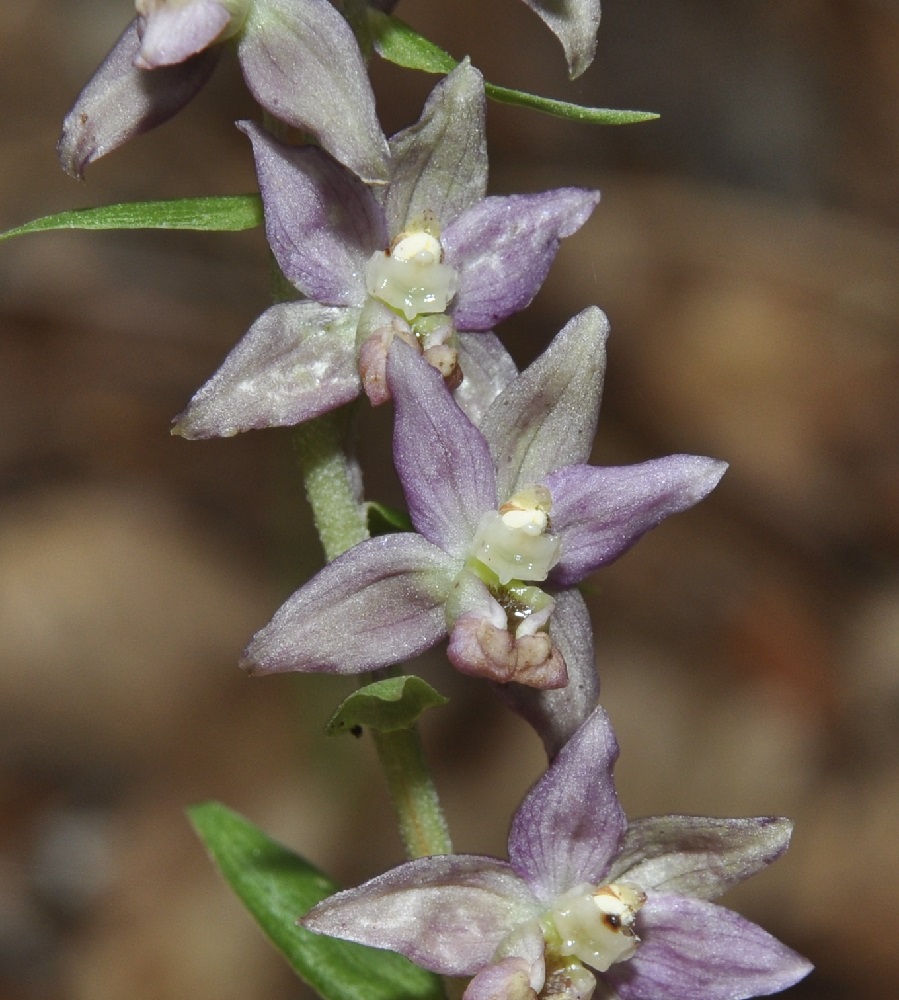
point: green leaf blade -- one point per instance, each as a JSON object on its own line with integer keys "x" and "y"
{"x": 223, "y": 213}
{"x": 277, "y": 886}
{"x": 386, "y": 705}
{"x": 398, "y": 43}
{"x": 565, "y": 109}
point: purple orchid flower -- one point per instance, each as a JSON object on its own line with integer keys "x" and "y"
{"x": 575, "y": 24}
{"x": 426, "y": 258}
{"x": 498, "y": 510}
{"x": 586, "y": 902}
{"x": 300, "y": 60}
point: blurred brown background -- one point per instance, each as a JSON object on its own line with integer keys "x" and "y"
{"x": 746, "y": 253}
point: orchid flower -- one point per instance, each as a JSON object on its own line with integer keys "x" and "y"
{"x": 300, "y": 60}
{"x": 498, "y": 510}
{"x": 586, "y": 903}
{"x": 427, "y": 258}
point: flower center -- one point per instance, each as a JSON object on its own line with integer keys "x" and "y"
{"x": 411, "y": 276}
{"x": 595, "y": 925}
{"x": 513, "y": 542}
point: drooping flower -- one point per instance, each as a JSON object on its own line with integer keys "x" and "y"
{"x": 300, "y": 60}
{"x": 586, "y": 902}
{"x": 574, "y": 23}
{"x": 498, "y": 510}
{"x": 427, "y": 258}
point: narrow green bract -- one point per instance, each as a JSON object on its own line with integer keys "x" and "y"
{"x": 277, "y": 887}
{"x": 223, "y": 213}
{"x": 398, "y": 43}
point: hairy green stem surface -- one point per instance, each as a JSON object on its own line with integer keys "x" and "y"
{"x": 331, "y": 486}
{"x": 422, "y": 824}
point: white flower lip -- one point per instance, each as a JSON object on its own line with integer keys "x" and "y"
{"x": 513, "y": 541}
{"x": 411, "y": 279}
{"x": 595, "y": 924}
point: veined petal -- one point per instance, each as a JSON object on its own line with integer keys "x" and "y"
{"x": 697, "y": 855}
{"x": 439, "y": 164}
{"x": 600, "y": 512}
{"x": 487, "y": 368}
{"x": 379, "y": 603}
{"x": 296, "y": 361}
{"x": 441, "y": 457}
{"x": 547, "y": 417}
{"x": 694, "y": 950}
{"x": 321, "y": 221}
{"x": 557, "y": 714}
{"x": 301, "y": 62}
{"x": 121, "y": 101}
{"x": 575, "y": 24}
{"x": 503, "y": 247}
{"x": 570, "y": 826}
{"x": 173, "y": 32}
{"x": 447, "y": 913}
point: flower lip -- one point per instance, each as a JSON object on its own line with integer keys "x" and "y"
{"x": 411, "y": 277}
{"x": 595, "y": 924}
{"x": 513, "y": 542}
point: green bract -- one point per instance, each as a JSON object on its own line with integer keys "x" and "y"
{"x": 398, "y": 43}
{"x": 386, "y": 705}
{"x": 224, "y": 213}
{"x": 277, "y": 887}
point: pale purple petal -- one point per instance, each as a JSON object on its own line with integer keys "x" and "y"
{"x": 296, "y": 361}
{"x": 697, "y": 855}
{"x": 575, "y": 24}
{"x": 509, "y": 979}
{"x": 175, "y": 32}
{"x": 121, "y": 101}
{"x": 600, "y": 512}
{"x": 487, "y": 368}
{"x": 446, "y": 913}
{"x": 557, "y": 714}
{"x": 694, "y": 950}
{"x": 526, "y": 942}
{"x": 503, "y": 247}
{"x": 301, "y": 62}
{"x": 379, "y": 603}
{"x": 439, "y": 165}
{"x": 441, "y": 457}
{"x": 547, "y": 417}
{"x": 321, "y": 221}
{"x": 570, "y": 826}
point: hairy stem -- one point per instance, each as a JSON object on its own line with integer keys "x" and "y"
{"x": 331, "y": 486}
{"x": 421, "y": 821}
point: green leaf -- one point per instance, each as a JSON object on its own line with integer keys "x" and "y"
{"x": 224, "y": 213}
{"x": 386, "y": 705}
{"x": 383, "y": 519}
{"x": 277, "y": 886}
{"x": 565, "y": 109}
{"x": 398, "y": 43}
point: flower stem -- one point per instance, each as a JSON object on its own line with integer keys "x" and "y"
{"x": 421, "y": 821}
{"x": 331, "y": 482}
{"x": 331, "y": 486}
